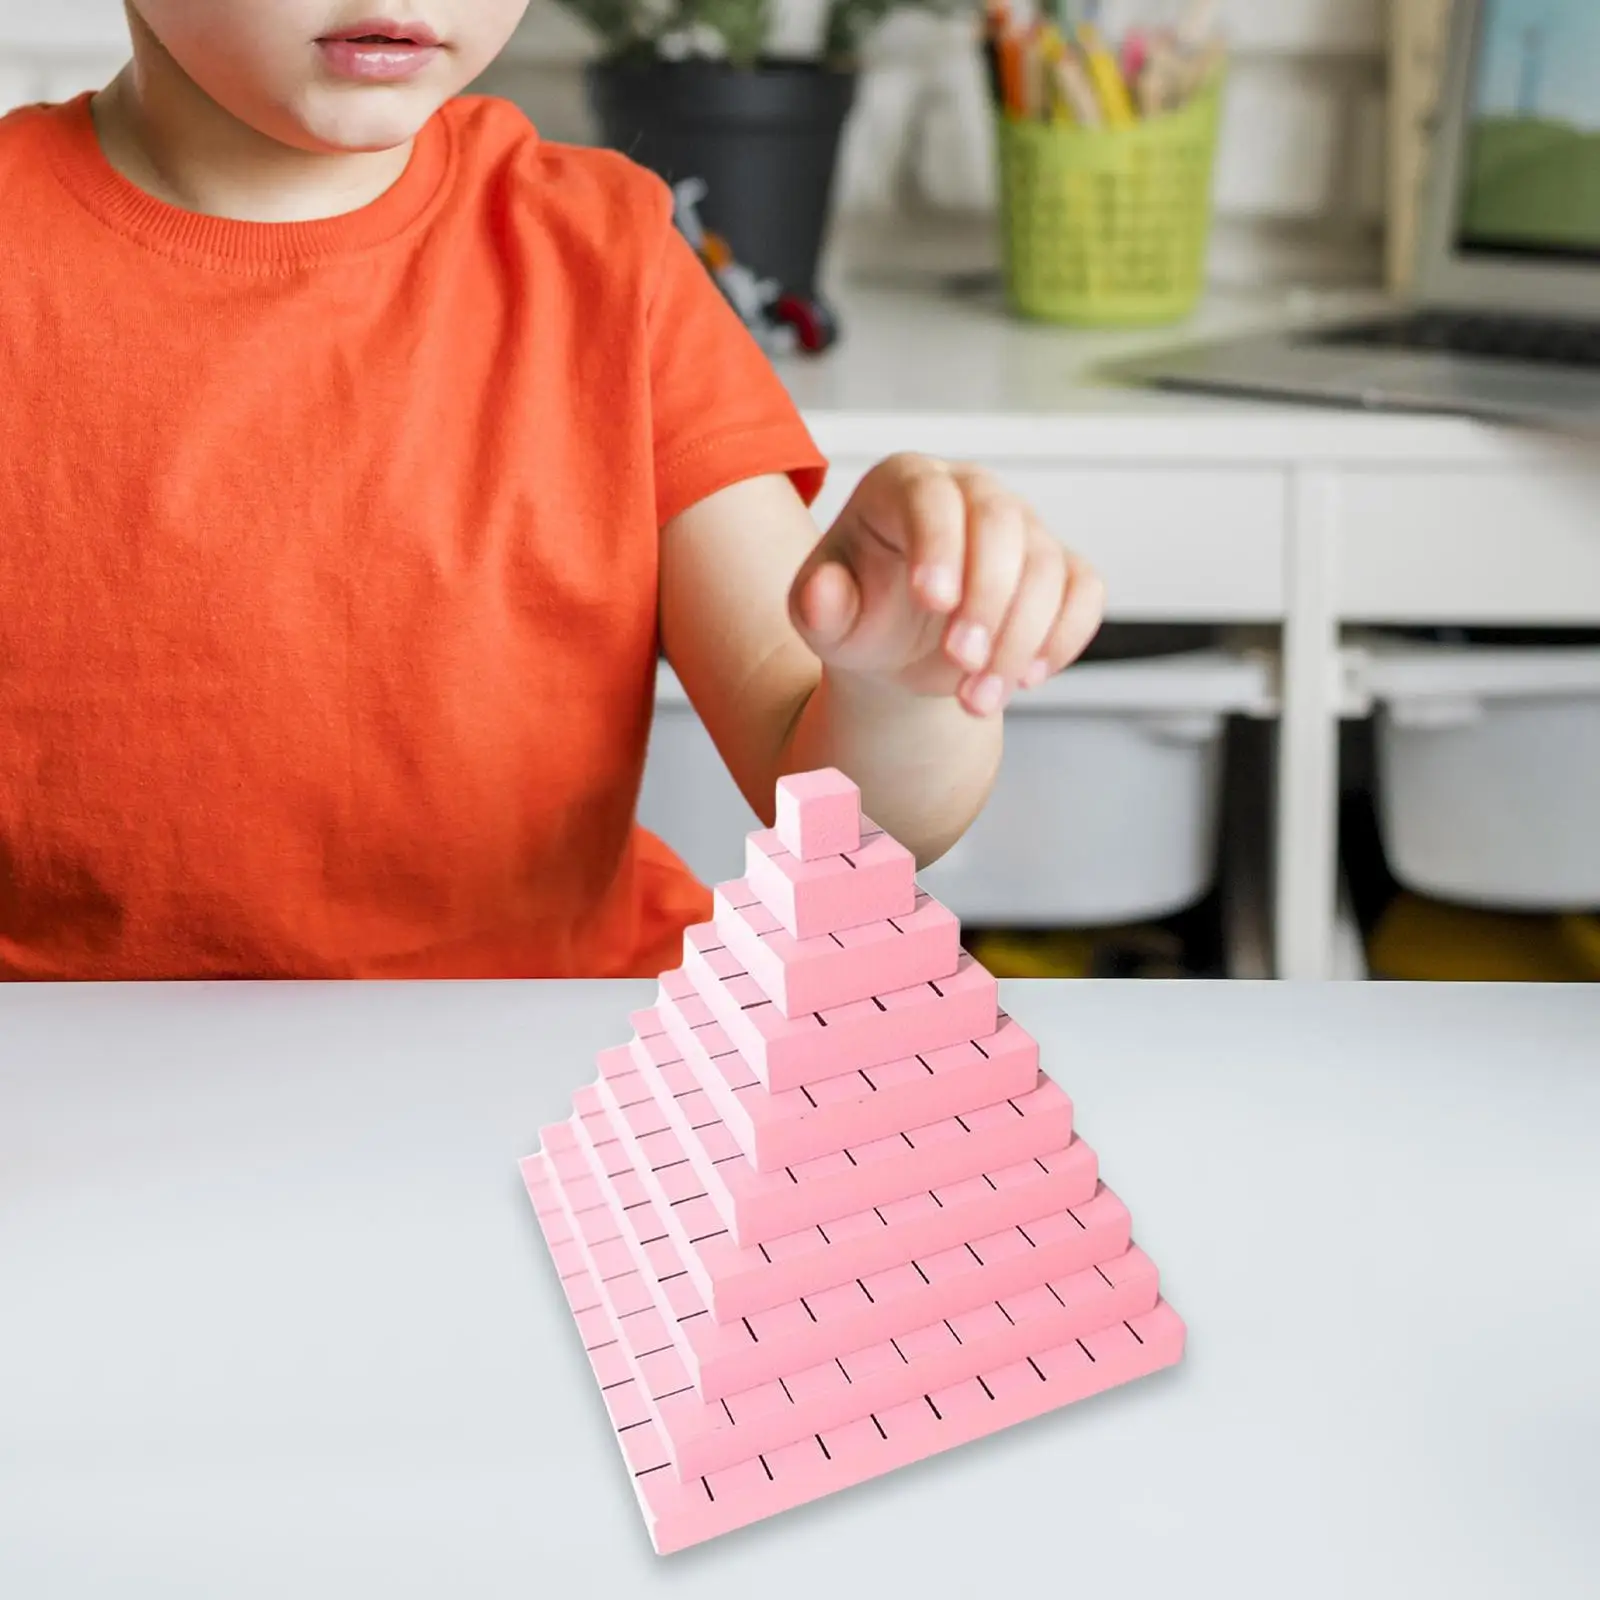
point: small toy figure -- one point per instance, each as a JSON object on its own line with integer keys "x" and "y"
{"x": 781, "y": 321}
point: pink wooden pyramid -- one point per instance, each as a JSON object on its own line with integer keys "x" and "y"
{"x": 823, "y": 1216}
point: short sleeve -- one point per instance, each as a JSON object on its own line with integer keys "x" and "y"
{"x": 720, "y": 412}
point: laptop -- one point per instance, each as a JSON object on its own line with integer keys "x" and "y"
{"x": 1504, "y": 320}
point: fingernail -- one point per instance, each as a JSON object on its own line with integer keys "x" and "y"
{"x": 938, "y": 584}
{"x": 969, "y": 642}
{"x": 1036, "y": 674}
{"x": 988, "y": 695}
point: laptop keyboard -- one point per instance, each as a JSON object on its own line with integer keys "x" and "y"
{"x": 1507, "y": 338}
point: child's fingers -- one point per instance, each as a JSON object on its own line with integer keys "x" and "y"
{"x": 1019, "y": 606}
{"x": 997, "y": 549}
{"x": 1078, "y": 621}
{"x": 826, "y": 604}
{"x": 935, "y": 521}
{"x": 1025, "y": 635}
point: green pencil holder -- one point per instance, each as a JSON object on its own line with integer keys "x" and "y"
{"x": 1108, "y": 227}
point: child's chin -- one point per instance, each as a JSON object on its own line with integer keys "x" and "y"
{"x": 367, "y": 120}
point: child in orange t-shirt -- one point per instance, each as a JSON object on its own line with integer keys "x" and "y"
{"x": 359, "y": 455}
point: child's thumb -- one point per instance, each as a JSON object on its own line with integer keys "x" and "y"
{"x": 824, "y": 605}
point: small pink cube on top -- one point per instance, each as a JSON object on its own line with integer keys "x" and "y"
{"x": 818, "y": 814}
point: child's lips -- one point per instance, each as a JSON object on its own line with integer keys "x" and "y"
{"x": 380, "y": 51}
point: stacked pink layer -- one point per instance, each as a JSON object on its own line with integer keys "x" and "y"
{"x": 822, "y": 1215}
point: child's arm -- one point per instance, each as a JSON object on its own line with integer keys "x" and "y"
{"x": 849, "y": 652}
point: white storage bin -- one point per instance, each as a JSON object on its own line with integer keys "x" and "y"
{"x": 1488, "y": 771}
{"x": 1106, "y": 809}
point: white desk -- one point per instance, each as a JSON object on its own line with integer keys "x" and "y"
{"x": 1224, "y": 511}
{"x": 275, "y": 1319}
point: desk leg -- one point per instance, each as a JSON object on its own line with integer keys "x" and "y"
{"x": 1306, "y": 822}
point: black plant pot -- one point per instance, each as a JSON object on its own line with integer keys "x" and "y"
{"x": 765, "y": 141}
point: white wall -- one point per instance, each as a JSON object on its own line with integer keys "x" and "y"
{"x": 1300, "y": 183}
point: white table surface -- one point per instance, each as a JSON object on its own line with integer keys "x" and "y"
{"x": 922, "y": 367}
{"x": 275, "y": 1319}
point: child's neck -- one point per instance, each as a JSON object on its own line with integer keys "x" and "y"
{"x": 164, "y": 134}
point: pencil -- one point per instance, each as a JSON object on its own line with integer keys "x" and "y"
{"x": 991, "y": 65}
{"x": 1135, "y": 52}
{"x": 1053, "y": 105}
{"x": 1074, "y": 86}
{"x": 1013, "y": 93}
{"x": 1109, "y": 88}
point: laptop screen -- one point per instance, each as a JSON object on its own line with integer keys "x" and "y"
{"x": 1531, "y": 158}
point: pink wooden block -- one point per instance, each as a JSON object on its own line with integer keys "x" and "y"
{"x": 800, "y": 975}
{"x": 779, "y": 1130}
{"x": 725, "y": 1357}
{"x": 759, "y": 1206}
{"x": 818, "y": 814}
{"x": 831, "y": 893}
{"x": 735, "y": 1280}
{"x": 680, "y": 1513}
{"x": 785, "y": 1052}
{"x": 702, "y": 1437}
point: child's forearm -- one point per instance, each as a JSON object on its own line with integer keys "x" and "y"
{"x": 933, "y": 590}
{"x": 925, "y": 765}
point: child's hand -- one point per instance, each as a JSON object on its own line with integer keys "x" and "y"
{"x": 937, "y": 578}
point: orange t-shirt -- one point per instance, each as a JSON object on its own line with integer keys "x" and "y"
{"x": 328, "y": 555}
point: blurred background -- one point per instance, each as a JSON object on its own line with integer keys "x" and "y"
{"x": 1345, "y": 719}
{"x": 1300, "y": 179}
